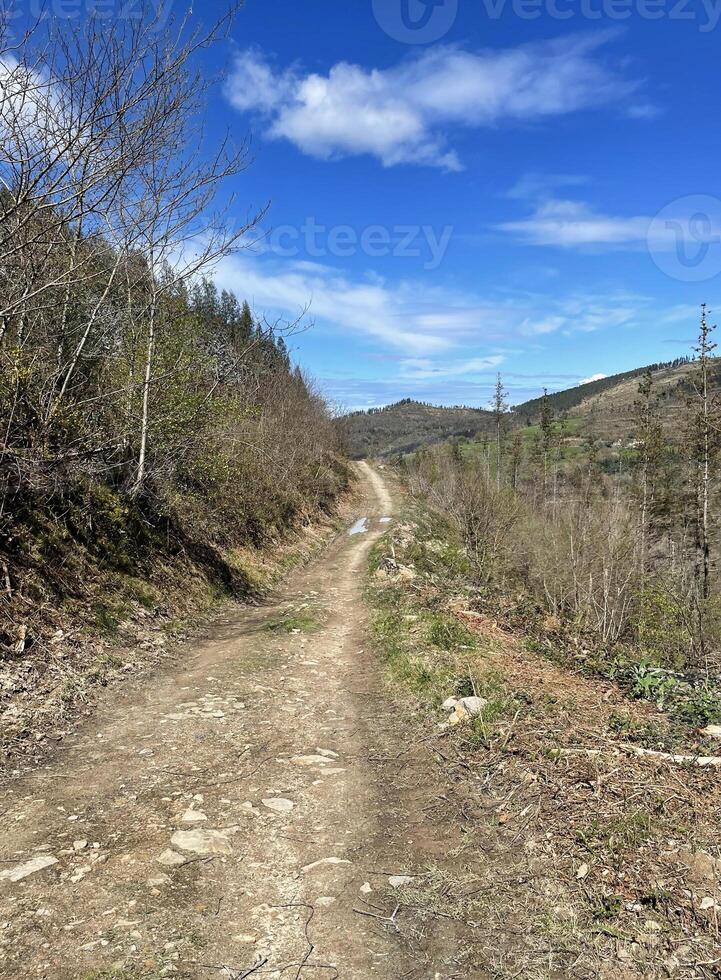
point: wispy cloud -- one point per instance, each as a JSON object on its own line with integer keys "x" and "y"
{"x": 574, "y": 223}
{"x": 403, "y": 114}
{"x": 419, "y": 369}
{"x": 434, "y": 329}
{"x": 682, "y": 225}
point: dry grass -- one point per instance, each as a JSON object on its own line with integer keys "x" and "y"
{"x": 583, "y": 858}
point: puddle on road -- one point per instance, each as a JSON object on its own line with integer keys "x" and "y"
{"x": 360, "y": 526}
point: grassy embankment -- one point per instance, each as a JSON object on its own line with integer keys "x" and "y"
{"x": 597, "y": 859}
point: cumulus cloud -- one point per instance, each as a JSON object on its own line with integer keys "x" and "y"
{"x": 402, "y": 114}
{"x": 594, "y": 377}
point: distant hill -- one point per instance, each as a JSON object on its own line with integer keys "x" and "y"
{"x": 407, "y": 425}
{"x": 582, "y": 395}
{"x": 604, "y": 410}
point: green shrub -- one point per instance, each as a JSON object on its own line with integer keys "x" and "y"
{"x": 663, "y": 629}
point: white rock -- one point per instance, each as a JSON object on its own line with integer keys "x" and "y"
{"x": 467, "y": 708}
{"x": 366, "y": 888}
{"x": 202, "y": 841}
{"x": 397, "y": 881}
{"x": 193, "y": 816}
{"x": 79, "y": 845}
{"x": 449, "y": 704}
{"x": 30, "y": 867}
{"x": 171, "y": 859}
{"x": 310, "y": 760}
{"x": 279, "y": 805}
{"x": 474, "y": 706}
{"x": 713, "y": 730}
{"x": 323, "y": 861}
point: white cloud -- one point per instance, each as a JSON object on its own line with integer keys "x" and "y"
{"x": 401, "y": 114}
{"x": 594, "y": 377}
{"x": 434, "y": 328}
{"x": 688, "y": 223}
{"x": 574, "y": 223}
{"x": 419, "y": 369}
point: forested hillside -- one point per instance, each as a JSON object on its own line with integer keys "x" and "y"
{"x": 601, "y": 409}
{"x": 571, "y": 398}
{"x": 408, "y": 425}
{"x": 151, "y": 426}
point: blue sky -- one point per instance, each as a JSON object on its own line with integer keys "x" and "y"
{"x": 488, "y": 191}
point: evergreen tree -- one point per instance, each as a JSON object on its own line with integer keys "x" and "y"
{"x": 499, "y": 408}
{"x": 246, "y": 328}
{"x": 230, "y": 315}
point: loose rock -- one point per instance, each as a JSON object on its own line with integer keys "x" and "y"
{"x": 202, "y": 841}
{"x": 171, "y": 859}
{"x": 279, "y": 805}
{"x": 30, "y": 867}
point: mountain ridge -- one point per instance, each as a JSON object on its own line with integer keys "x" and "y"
{"x": 604, "y": 407}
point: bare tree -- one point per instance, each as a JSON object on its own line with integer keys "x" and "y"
{"x": 499, "y": 408}
{"x": 705, "y": 428}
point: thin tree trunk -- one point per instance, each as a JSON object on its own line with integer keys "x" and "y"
{"x": 144, "y": 422}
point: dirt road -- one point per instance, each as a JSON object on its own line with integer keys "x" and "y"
{"x": 247, "y": 816}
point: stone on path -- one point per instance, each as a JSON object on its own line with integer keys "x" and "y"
{"x": 30, "y": 867}
{"x": 193, "y": 816}
{"x": 171, "y": 859}
{"x": 202, "y": 841}
{"x": 279, "y": 805}
{"x": 323, "y": 861}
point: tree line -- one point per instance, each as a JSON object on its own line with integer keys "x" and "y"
{"x": 629, "y": 553}
{"x": 123, "y": 370}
